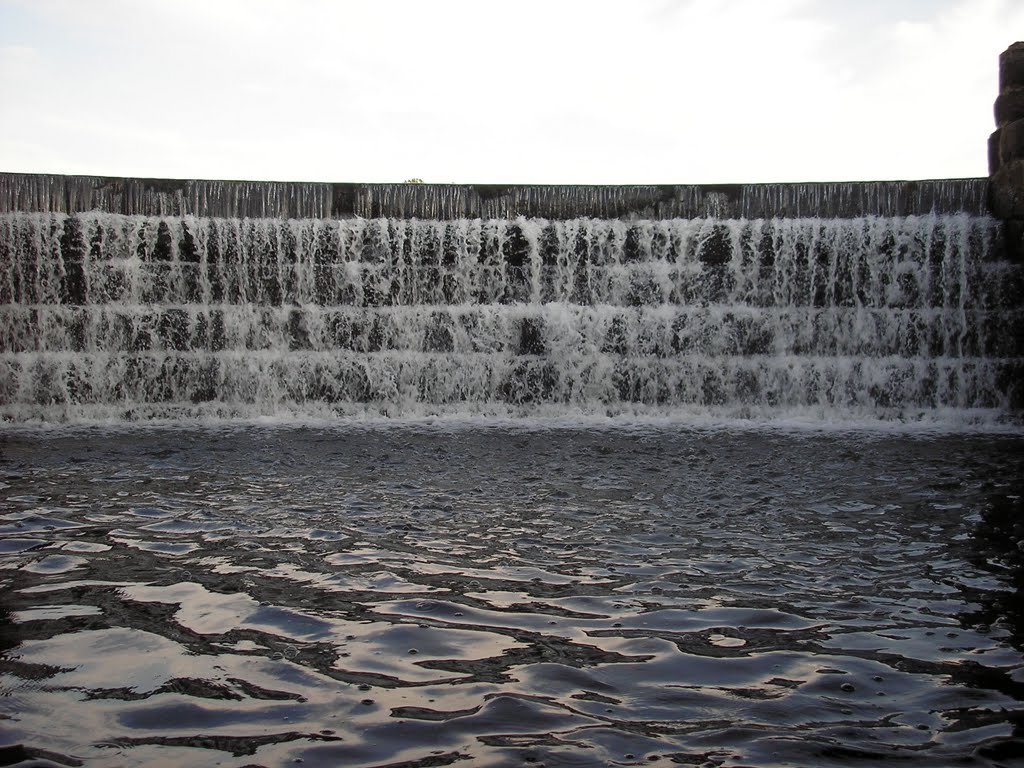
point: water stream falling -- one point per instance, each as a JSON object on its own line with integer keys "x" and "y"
{"x": 109, "y": 316}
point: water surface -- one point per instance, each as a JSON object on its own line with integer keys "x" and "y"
{"x": 509, "y": 596}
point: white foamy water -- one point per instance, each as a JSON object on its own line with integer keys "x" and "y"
{"x": 903, "y": 319}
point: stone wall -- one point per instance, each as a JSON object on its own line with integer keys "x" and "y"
{"x": 1006, "y": 149}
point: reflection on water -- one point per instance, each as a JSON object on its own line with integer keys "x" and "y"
{"x": 998, "y": 542}
{"x": 425, "y": 597}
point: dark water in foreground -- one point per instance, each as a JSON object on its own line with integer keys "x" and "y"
{"x": 491, "y": 596}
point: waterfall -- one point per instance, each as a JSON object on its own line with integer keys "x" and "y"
{"x": 111, "y": 316}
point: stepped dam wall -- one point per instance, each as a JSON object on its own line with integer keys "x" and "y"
{"x": 127, "y": 299}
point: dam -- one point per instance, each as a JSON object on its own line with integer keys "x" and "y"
{"x": 132, "y": 299}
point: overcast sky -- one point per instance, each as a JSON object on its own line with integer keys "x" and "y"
{"x": 531, "y": 91}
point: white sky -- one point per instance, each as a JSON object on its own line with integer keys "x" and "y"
{"x": 531, "y": 91}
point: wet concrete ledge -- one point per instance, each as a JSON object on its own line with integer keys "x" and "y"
{"x": 231, "y": 199}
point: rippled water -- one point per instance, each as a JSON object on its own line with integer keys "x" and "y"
{"x": 493, "y": 596}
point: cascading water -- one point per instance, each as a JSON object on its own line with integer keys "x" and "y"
{"x": 126, "y": 317}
